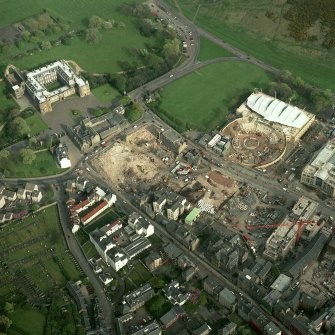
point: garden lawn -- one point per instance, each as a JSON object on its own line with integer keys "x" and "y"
{"x": 105, "y": 93}
{"x": 36, "y": 124}
{"x": 202, "y": 99}
{"x": 43, "y": 165}
{"x": 234, "y": 22}
{"x": 106, "y": 218}
{"x": 210, "y": 50}
{"x": 29, "y": 320}
{"x": 140, "y": 274}
{"x": 100, "y": 58}
{"x": 90, "y": 250}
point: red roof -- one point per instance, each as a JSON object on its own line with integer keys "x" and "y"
{"x": 117, "y": 222}
{"x": 94, "y": 211}
{"x": 81, "y": 205}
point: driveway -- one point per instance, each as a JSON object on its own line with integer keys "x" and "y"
{"x": 61, "y": 113}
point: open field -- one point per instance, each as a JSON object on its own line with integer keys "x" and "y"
{"x": 43, "y": 165}
{"x": 210, "y": 50}
{"x": 201, "y": 101}
{"x": 100, "y": 58}
{"x": 36, "y": 257}
{"x": 244, "y": 25}
{"x": 105, "y": 93}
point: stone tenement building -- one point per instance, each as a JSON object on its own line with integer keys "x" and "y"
{"x": 36, "y": 83}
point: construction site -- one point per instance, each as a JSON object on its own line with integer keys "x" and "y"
{"x": 254, "y": 143}
{"x": 140, "y": 163}
{"x": 137, "y": 164}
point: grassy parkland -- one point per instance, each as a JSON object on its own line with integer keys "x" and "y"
{"x": 103, "y": 57}
{"x": 105, "y": 93}
{"x": 210, "y": 50}
{"x": 43, "y": 165}
{"x": 203, "y": 99}
{"x": 261, "y": 31}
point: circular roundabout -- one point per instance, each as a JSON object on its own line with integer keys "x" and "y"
{"x": 254, "y": 143}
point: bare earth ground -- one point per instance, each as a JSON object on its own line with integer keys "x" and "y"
{"x": 220, "y": 188}
{"x": 136, "y": 163}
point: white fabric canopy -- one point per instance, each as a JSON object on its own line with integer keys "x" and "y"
{"x": 277, "y": 111}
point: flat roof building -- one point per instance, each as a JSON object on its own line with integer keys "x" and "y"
{"x": 192, "y": 216}
{"x": 172, "y": 140}
{"x": 320, "y": 173}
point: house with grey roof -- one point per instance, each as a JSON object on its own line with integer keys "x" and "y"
{"x": 228, "y": 329}
{"x": 9, "y": 195}
{"x": 228, "y": 299}
{"x": 21, "y": 193}
{"x": 169, "y": 318}
{"x": 135, "y": 299}
{"x": 152, "y": 328}
{"x": 212, "y": 286}
{"x": 204, "y": 329}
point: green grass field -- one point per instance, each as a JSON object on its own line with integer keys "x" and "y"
{"x": 244, "y": 25}
{"x": 29, "y": 320}
{"x": 101, "y": 58}
{"x": 43, "y": 165}
{"x": 201, "y": 101}
{"x": 105, "y": 93}
{"x": 210, "y": 50}
{"x": 36, "y": 124}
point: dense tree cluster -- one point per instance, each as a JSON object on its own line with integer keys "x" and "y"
{"x": 5, "y": 317}
{"x": 17, "y": 128}
{"x": 134, "y": 112}
{"x": 302, "y": 15}
{"x": 154, "y": 59}
{"x": 95, "y": 23}
{"x": 136, "y": 10}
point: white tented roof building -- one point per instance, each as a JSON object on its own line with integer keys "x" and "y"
{"x": 275, "y": 110}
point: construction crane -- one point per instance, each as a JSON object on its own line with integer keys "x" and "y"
{"x": 300, "y": 224}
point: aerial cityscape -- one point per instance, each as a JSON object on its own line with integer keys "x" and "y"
{"x": 167, "y": 167}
